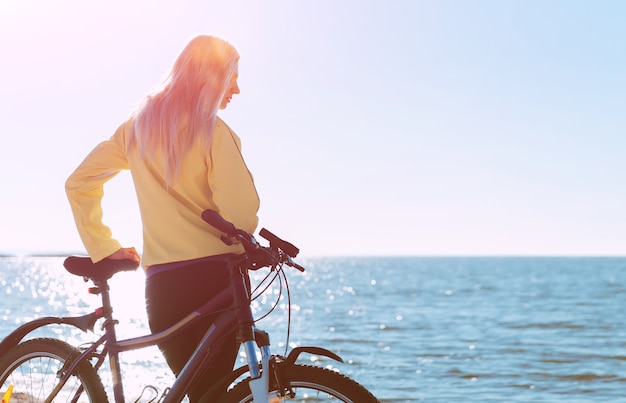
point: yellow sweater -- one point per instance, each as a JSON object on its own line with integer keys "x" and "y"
{"x": 172, "y": 232}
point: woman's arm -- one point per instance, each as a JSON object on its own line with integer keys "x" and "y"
{"x": 85, "y": 189}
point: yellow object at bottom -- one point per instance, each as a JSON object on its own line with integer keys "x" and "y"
{"x": 7, "y": 395}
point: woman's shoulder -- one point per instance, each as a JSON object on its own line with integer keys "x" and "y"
{"x": 220, "y": 125}
{"x": 223, "y": 130}
{"x": 224, "y": 136}
{"x": 123, "y": 132}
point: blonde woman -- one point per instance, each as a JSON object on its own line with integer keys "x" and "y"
{"x": 182, "y": 157}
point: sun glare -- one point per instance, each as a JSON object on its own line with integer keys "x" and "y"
{"x": 7, "y": 4}
{"x": 10, "y": 6}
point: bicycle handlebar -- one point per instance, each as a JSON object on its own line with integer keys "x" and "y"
{"x": 215, "y": 219}
{"x": 285, "y": 246}
{"x": 287, "y": 250}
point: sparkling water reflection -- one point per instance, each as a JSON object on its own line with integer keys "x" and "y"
{"x": 409, "y": 329}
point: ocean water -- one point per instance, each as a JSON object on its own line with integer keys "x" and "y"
{"x": 440, "y": 329}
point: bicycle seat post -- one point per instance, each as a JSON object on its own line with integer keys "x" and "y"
{"x": 111, "y": 338}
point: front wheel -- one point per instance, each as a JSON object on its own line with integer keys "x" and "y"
{"x": 308, "y": 383}
{"x": 33, "y": 368}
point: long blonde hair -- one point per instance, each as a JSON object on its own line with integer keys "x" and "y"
{"x": 184, "y": 110}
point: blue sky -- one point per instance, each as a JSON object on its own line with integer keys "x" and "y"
{"x": 371, "y": 127}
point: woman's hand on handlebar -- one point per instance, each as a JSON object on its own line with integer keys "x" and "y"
{"x": 126, "y": 253}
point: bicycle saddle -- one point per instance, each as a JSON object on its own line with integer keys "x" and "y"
{"x": 103, "y": 270}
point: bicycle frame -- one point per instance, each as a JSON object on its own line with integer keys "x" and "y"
{"x": 234, "y": 308}
{"x": 234, "y": 313}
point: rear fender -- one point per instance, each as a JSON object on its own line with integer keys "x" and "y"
{"x": 84, "y": 323}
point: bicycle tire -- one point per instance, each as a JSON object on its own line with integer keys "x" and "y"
{"x": 309, "y": 383}
{"x": 32, "y": 367}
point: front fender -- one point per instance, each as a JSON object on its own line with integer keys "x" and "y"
{"x": 84, "y": 323}
{"x": 295, "y": 353}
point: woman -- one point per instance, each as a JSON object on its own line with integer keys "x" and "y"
{"x": 182, "y": 158}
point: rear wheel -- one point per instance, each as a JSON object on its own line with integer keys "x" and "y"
{"x": 33, "y": 369}
{"x": 309, "y": 384}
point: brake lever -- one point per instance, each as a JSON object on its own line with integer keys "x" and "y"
{"x": 289, "y": 262}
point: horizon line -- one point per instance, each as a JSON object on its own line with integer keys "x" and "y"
{"x": 366, "y": 255}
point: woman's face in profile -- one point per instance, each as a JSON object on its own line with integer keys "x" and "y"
{"x": 233, "y": 88}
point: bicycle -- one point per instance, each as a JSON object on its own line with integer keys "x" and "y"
{"x": 47, "y": 369}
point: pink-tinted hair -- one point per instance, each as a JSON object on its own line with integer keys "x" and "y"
{"x": 184, "y": 110}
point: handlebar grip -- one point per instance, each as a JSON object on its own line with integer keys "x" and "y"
{"x": 285, "y": 246}
{"x": 215, "y": 219}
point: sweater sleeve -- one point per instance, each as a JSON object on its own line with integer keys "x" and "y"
{"x": 85, "y": 189}
{"x": 231, "y": 183}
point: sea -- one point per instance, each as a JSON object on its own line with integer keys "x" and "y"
{"x": 410, "y": 329}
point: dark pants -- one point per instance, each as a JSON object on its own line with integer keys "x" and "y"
{"x": 172, "y": 295}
